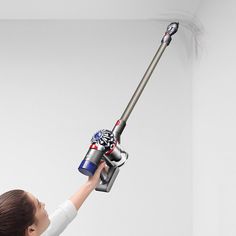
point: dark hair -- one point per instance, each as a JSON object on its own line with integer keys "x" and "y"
{"x": 17, "y": 212}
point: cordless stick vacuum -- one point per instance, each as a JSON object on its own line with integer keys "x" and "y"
{"x": 105, "y": 144}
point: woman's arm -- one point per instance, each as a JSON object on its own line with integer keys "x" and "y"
{"x": 79, "y": 197}
{"x": 67, "y": 211}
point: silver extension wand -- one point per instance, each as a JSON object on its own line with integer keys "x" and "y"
{"x": 105, "y": 144}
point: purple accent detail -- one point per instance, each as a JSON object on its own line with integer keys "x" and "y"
{"x": 87, "y": 168}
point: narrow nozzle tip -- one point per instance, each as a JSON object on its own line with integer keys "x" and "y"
{"x": 172, "y": 28}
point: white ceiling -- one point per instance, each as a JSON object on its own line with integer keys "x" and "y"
{"x": 95, "y": 9}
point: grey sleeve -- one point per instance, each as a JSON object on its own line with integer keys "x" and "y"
{"x": 60, "y": 219}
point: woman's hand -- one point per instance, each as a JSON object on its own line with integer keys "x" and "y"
{"x": 94, "y": 180}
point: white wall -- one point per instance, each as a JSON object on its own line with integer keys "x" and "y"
{"x": 214, "y": 112}
{"x": 93, "y": 9}
{"x": 61, "y": 81}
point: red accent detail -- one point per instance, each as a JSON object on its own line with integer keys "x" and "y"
{"x": 118, "y": 122}
{"x": 93, "y": 146}
{"x": 111, "y": 150}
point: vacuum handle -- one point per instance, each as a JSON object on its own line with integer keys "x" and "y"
{"x": 103, "y": 176}
{"x": 107, "y": 178}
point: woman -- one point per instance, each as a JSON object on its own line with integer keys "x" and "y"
{"x": 22, "y": 214}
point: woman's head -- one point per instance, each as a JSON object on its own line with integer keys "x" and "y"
{"x": 21, "y": 214}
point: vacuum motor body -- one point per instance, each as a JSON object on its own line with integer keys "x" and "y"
{"x": 105, "y": 146}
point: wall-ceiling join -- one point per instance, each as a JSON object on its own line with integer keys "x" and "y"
{"x": 93, "y": 9}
